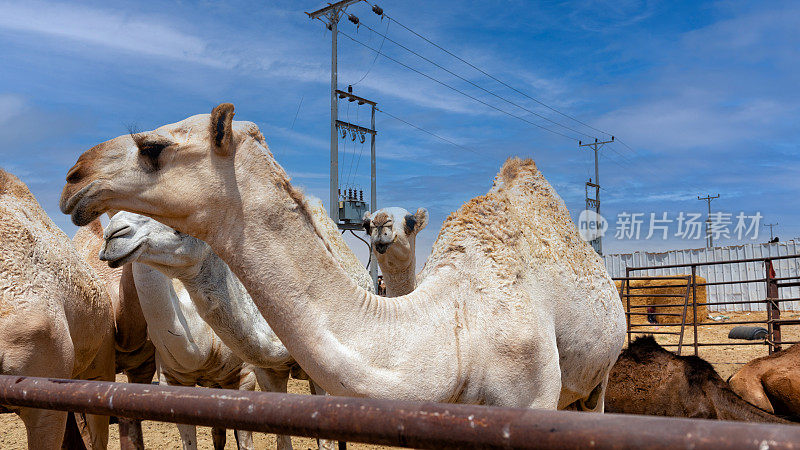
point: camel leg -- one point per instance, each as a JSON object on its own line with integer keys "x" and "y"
{"x": 246, "y": 382}
{"x": 94, "y": 428}
{"x": 45, "y": 428}
{"x": 595, "y": 402}
{"x": 130, "y": 430}
{"x": 324, "y": 444}
{"x": 188, "y": 432}
{"x": 275, "y": 381}
{"x": 72, "y": 435}
{"x": 218, "y": 437}
{"x": 43, "y": 349}
{"x": 750, "y": 387}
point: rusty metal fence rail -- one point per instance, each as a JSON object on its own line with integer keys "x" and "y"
{"x": 773, "y": 300}
{"x": 388, "y": 422}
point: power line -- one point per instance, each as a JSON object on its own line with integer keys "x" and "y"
{"x": 474, "y": 84}
{"x": 428, "y": 132}
{"x": 456, "y": 89}
{"x": 376, "y": 54}
{"x": 489, "y": 75}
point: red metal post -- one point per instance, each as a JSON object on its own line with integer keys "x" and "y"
{"x": 773, "y": 309}
{"x": 694, "y": 307}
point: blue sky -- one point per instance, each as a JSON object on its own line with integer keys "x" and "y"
{"x": 705, "y": 93}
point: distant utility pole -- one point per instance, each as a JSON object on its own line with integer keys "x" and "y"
{"x": 594, "y": 203}
{"x": 709, "y": 237}
{"x": 770, "y": 225}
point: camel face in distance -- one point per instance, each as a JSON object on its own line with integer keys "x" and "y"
{"x": 393, "y": 233}
{"x": 134, "y": 168}
{"x": 132, "y": 237}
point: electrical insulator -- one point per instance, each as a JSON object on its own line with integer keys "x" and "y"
{"x": 349, "y": 88}
{"x": 353, "y": 18}
{"x": 377, "y": 10}
{"x": 361, "y": 195}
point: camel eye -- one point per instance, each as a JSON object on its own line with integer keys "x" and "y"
{"x": 149, "y": 152}
{"x": 152, "y": 151}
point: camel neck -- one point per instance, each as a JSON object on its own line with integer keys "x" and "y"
{"x": 225, "y": 305}
{"x": 174, "y": 333}
{"x": 400, "y": 282}
{"x": 334, "y": 329}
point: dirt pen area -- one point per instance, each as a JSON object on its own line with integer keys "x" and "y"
{"x": 726, "y": 359}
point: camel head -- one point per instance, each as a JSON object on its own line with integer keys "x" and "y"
{"x": 132, "y": 237}
{"x": 164, "y": 173}
{"x": 393, "y": 233}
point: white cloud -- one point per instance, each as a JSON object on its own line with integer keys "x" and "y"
{"x": 146, "y": 35}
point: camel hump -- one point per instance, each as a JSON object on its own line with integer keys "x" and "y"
{"x": 13, "y": 186}
{"x": 515, "y": 167}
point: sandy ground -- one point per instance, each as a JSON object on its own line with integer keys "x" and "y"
{"x": 726, "y": 359}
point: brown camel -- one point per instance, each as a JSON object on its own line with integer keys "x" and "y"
{"x": 771, "y": 382}
{"x": 55, "y": 316}
{"x": 652, "y": 381}
{"x": 134, "y": 353}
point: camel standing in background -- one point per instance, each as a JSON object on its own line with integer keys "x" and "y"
{"x": 514, "y": 308}
{"x": 134, "y": 353}
{"x": 771, "y": 382}
{"x": 56, "y": 317}
{"x": 393, "y": 239}
{"x": 652, "y": 381}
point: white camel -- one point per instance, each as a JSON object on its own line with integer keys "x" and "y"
{"x": 217, "y": 294}
{"x": 55, "y": 314}
{"x": 393, "y": 239}
{"x": 513, "y": 309}
{"x": 188, "y": 353}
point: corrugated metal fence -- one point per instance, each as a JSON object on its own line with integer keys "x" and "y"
{"x": 616, "y": 265}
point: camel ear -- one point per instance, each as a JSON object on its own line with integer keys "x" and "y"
{"x": 367, "y": 222}
{"x": 221, "y": 129}
{"x": 422, "y": 218}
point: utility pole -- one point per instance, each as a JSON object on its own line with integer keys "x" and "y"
{"x": 330, "y": 15}
{"x": 597, "y": 243}
{"x": 770, "y": 225}
{"x": 347, "y": 214}
{"x": 709, "y": 237}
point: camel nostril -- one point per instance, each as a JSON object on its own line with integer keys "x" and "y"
{"x": 75, "y": 174}
{"x": 119, "y": 232}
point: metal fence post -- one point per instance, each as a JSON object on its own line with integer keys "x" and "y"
{"x": 773, "y": 310}
{"x": 694, "y": 306}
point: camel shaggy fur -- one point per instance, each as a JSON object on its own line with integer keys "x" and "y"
{"x": 650, "y": 380}
{"x": 772, "y": 382}
{"x": 393, "y": 237}
{"x": 55, "y": 314}
{"x": 513, "y": 307}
